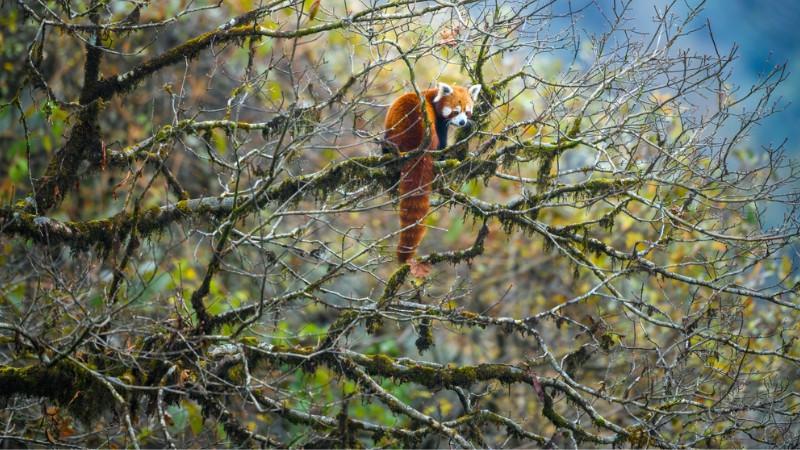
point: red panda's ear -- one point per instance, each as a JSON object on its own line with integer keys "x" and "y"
{"x": 474, "y": 90}
{"x": 444, "y": 91}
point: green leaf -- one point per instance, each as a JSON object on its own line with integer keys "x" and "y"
{"x": 195, "y": 417}
{"x": 179, "y": 417}
{"x": 19, "y": 170}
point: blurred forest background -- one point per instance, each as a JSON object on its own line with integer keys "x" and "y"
{"x": 198, "y": 227}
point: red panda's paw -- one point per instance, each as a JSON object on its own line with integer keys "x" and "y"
{"x": 419, "y": 269}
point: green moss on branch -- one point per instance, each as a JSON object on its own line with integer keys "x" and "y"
{"x": 108, "y": 87}
{"x": 462, "y": 255}
{"x": 431, "y": 376}
{"x": 64, "y": 383}
{"x": 380, "y": 171}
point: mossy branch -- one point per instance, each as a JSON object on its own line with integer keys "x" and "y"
{"x": 517, "y": 211}
{"x": 64, "y": 383}
{"x": 513, "y": 428}
{"x": 544, "y": 151}
{"x": 139, "y": 150}
{"x": 434, "y": 376}
{"x": 127, "y": 81}
{"x": 456, "y": 257}
{"x": 378, "y": 170}
{"x": 393, "y": 285}
{"x": 430, "y": 375}
{"x": 325, "y": 423}
{"x": 115, "y": 84}
{"x": 82, "y": 235}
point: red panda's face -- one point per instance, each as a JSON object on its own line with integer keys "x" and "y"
{"x": 455, "y": 103}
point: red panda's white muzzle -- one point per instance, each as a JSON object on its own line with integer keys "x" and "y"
{"x": 460, "y": 120}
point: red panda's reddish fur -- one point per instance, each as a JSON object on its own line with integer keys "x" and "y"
{"x": 406, "y": 130}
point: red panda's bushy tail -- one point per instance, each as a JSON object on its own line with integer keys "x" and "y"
{"x": 415, "y": 190}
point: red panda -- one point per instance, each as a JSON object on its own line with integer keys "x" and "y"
{"x": 444, "y": 105}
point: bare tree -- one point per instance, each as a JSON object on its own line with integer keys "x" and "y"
{"x": 198, "y": 231}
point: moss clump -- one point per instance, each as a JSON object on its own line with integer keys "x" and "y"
{"x": 638, "y": 437}
{"x": 236, "y": 374}
{"x": 469, "y": 315}
{"x": 607, "y": 222}
{"x": 183, "y": 207}
{"x": 382, "y": 365}
{"x": 93, "y": 232}
{"x": 441, "y": 377}
{"x": 44, "y": 230}
{"x": 425, "y": 339}
{"x": 601, "y": 185}
{"x": 374, "y": 324}
{"x": 448, "y": 164}
{"x": 164, "y": 133}
{"x": 461, "y": 376}
{"x": 65, "y": 383}
{"x": 473, "y": 319}
{"x": 393, "y": 285}
{"x": 341, "y": 327}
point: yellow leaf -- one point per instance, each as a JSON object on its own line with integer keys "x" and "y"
{"x": 785, "y": 268}
{"x": 313, "y": 10}
{"x": 189, "y": 274}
